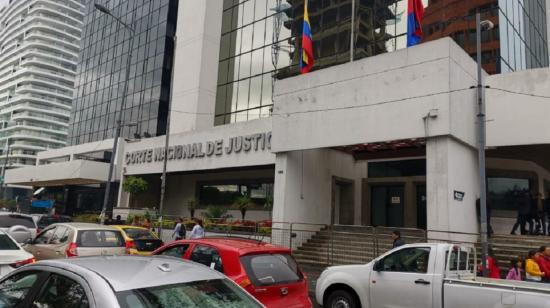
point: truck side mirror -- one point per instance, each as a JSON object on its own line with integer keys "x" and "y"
{"x": 378, "y": 266}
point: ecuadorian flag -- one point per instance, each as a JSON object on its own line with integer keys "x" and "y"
{"x": 306, "y": 58}
{"x": 415, "y": 14}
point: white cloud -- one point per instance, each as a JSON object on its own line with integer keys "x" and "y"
{"x": 3, "y": 3}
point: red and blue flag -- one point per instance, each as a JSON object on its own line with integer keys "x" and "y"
{"x": 415, "y": 14}
{"x": 306, "y": 57}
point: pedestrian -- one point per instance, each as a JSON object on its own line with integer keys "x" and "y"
{"x": 546, "y": 215}
{"x": 523, "y": 204}
{"x": 543, "y": 261}
{"x": 198, "y": 229}
{"x": 179, "y": 230}
{"x": 492, "y": 265}
{"x": 515, "y": 270}
{"x": 397, "y": 240}
{"x": 488, "y": 215}
{"x": 118, "y": 220}
{"x": 136, "y": 222}
{"x": 146, "y": 223}
{"x": 532, "y": 269}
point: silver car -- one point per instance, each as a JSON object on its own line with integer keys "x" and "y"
{"x": 76, "y": 239}
{"x": 121, "y": 281}
{"x": 20, "y": 226}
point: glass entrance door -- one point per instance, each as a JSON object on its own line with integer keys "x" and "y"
{"x": 387, "y": 204}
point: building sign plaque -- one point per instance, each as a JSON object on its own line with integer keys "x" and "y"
{"x": 198, "y": 150}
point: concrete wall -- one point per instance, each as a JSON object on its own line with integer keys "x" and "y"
{"x": 515, "y": 116}
{"x": 451, "y": 166}
{"x": 197, "y": 52}
{"x": 378, "y": 99}
{"x": 303, "y": 184}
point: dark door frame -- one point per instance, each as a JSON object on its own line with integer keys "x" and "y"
{"x": 335, "y": 181}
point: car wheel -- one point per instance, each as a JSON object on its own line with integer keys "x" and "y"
{"x": 341, "y": 299}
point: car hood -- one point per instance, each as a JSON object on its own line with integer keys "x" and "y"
{"x": 12, "y": 256}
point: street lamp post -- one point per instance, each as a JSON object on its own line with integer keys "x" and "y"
{"x": 106, "y": 198}
{"x": 4, "y": 168}
{"x": 166, "y": 141}
{"x": 482, "y": 134}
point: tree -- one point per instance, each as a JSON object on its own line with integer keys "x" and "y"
{"x": 243, "y": 204}
{"x": 135, "y": 185}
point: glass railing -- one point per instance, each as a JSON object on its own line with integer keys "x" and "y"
{"x": 70, "y": 87}
{"x": 26, "y": 114}
{"x": 65, "y": 66}
{"x": 16, "y": 132}
{"x": 48, "y": 34}
{"x": 49, "y": 90}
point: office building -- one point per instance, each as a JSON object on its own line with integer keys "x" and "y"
{"x": 388, "y": 139}
{"x": 39, "y": 46}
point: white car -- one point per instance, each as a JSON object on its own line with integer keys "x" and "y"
{"x": 426, "y": 275}
{"x": 20, "y": 226}
{"x": 12, "y": 256}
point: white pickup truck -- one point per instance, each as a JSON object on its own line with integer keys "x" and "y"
{"x": 424, "y": 276}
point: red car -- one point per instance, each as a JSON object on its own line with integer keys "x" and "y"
{"x": 266, "y": 271}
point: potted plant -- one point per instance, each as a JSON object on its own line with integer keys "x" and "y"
{"x": 243, "y": 204}
{"x": 135, "y": 185}
{"x": 192, "y": 206}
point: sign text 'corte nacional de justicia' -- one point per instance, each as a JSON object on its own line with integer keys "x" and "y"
{"x": 240, "y": 144}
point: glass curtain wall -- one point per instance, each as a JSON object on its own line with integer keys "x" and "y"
{"x": 261, "y": 40}
{"x": 102, "y": 69}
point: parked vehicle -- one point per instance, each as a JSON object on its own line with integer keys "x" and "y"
{"x": 43, "y": 220}
{"x": 120, "y": 282}
{"x": 266, "y": 271}
{"x": 20, "y": 226}
{"x": 12, "y": 256}
{"x": 139, "y": 241}
{"x": 424, "y": 276}
{"x": 65, "y": 240}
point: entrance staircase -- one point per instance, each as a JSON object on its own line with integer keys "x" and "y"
{"x": 340, "y": 245}
{"x": 506, "y": 247}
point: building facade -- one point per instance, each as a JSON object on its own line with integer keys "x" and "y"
{"x": 518, "y": 40}
{"x": 39, "y": 47}
{"x": 387, "y": 139}
{"x": 106, "y": 46}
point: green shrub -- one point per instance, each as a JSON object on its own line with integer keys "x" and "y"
{"x": 92, "y": 218}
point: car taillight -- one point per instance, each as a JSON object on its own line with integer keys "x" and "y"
{"x": 245, "y": 283}
{"x": 21, "y": 263}
{"x": 130, "y": 245}
{"x": 71, "y": 251}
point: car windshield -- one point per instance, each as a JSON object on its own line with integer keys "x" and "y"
{"x": 218, "y": 293}
{"x": 8, "y": 221}
{"x": 139, "y": 234}
{"x": 270, "y": 269}
{"x": 6, "y": 243}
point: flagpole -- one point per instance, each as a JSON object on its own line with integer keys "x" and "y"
{"x": 352, "y": 32}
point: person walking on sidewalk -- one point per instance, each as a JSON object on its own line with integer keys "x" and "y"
{"x": 397, "y": 240}
{"x": 198, "y": 229}
{"x": 179, "y": 230}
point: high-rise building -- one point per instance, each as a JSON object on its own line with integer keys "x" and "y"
{"x": 106, "y": 45}
{"x": 39, "y": 46}
{"x": 518, "y": 41}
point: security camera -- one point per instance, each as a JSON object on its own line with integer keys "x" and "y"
{"x": 487, "y": 25}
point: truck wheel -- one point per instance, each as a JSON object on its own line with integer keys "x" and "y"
{"x": 341, "y": 299}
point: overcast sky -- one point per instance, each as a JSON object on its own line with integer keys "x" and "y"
{"x": 3, "y": 2}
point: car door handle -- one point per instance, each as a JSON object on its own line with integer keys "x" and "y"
{"x": 421, "y": 281}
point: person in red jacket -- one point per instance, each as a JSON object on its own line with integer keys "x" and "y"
{"x": 492, "y": 265}
{"x": 543, "y": 260}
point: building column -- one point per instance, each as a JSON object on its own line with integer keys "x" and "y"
{"x": 451, "y": 167}
{"x": 196, "y": 62}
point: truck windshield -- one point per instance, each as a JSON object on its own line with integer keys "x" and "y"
{"x": 218, "y": 293}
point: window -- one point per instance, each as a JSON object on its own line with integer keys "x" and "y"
{"x": 506, "y": 193}
{"x": 271, "y": 269}
{"x": 409, "y": 260}
{"x": 14, "y": 289}
{"x": 60, "y": 236}
{"x": 60, "y": 291}
{"x": 225, "y": 194}
{"x": 206, "y": 293}
{"x": 6, "y": 243}
{"x": 139, "y": 234}
{"x": 7, "y": 221}
{"x": 100, "y": 238}
{"x": 208, "y": 256}
{"x": 44, "y": 237}
{"x": 176, "y": 251}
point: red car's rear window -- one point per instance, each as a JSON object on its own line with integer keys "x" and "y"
{"x": 271, "y": 269}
